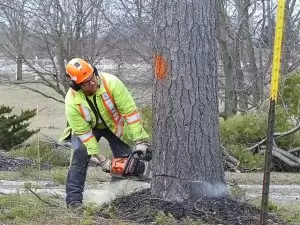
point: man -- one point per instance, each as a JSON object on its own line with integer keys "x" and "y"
{"x": 97, "y": 105}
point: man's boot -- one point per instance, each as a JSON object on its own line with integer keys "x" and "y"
{"x": 76, "y": 208}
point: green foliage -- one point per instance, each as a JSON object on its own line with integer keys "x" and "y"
{"x": 189, "y": 221}
{"x": 272, "y": 206}
{"x": 60, "y": 177}
{"x": 112, "y": 211}
{"x": 164, "y": 219}
{"x": 28, "y": 209}
{"x": 290, "y": 212}
{"x": 289, "y": 94}
{"x": 251, "y": 128}
{"x": 247, "y": 158}
{"x": 41, "y": 152}
{"x": 19, "y": 208}
{"x": 13, "y": 128}
{"x": 243, "y": 129}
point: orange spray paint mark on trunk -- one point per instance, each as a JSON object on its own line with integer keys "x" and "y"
{"x": 160, "y": 67}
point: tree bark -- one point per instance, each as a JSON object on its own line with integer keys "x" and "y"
{"x": 228, "y": 68}
{"x": 256, "y": 78}
{"x": 187, "y": 161}
{"x": 19, "y": 66}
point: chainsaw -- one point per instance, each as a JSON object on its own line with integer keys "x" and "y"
{"x": 132, "y": 165}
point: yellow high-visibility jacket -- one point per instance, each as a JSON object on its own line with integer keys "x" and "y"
{"x": 116, "y": 107}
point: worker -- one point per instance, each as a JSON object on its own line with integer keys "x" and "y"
{"x": 96, "y": 106}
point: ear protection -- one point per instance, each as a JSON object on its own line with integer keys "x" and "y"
{"x": 76, "y": 87}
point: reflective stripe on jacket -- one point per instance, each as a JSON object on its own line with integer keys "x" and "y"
{"x": 117, "y": 109}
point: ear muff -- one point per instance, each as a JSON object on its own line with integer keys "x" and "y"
{"x": 72, "y": 84}
{"x": 95, "y": 71}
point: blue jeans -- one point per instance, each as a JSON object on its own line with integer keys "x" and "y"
{"x": 80, "y": 160}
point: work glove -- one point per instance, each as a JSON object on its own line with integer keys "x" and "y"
{"x": 144, "y": 147}
{"x": 105, "y": 165}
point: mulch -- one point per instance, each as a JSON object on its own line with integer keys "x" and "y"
{"x": 143, "y": 208}
{"x": 8, "y": 163}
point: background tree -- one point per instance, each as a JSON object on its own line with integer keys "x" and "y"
{"x": 14, "y": 128}
{"x": 13, "y": 21}
{"x": 186, "y": 121}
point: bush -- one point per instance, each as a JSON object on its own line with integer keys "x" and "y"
{"x": 289, "y": 94}
{"x": 251, "y": 128}
{"x": 13, "y": 128}
{"x": 246, "y": 158}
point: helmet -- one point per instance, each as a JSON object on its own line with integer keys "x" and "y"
{"x": 79, "y": 70}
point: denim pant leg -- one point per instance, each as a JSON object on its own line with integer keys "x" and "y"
{"x": 117, "y": 146}
{"x": 77, "y": 172}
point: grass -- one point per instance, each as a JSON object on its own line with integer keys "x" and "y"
{"x": 42, "y": 153}
{"x": 57, "y": 174}
{"x": 288, "y": 212}
{"x": 21, "y": 209}
{"x": 29, "y": 210}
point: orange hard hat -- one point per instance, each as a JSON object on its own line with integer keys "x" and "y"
{"x": 79, "y": 70}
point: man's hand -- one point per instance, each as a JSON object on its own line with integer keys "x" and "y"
{"x": 106, "y": 165}
{"x": 144, "y": 147}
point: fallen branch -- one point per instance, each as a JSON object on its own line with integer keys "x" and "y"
{"x": 230, "y": 162}
{"x": 288, "y": 155}
{"x": 285, "y": 159}
{"x": 275, "y": 135}
{"x": 294, "y": 151}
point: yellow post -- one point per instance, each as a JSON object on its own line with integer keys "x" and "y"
{"x": 271, "y": 117}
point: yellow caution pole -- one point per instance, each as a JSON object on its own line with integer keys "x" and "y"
{"x": 271, "y": 117}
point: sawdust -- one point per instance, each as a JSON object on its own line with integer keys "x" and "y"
{"x": 142, "y": 207}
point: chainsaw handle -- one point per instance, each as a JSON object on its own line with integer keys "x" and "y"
{"x": 129, "y": 158}
{"x": 147, "y": 157}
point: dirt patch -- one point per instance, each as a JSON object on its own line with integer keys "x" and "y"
{"x": 143, "y": 207}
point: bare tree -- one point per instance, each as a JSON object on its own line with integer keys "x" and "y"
{"x": 14, "y": 31}
{"x": 249, "y": 51}
{"x": 227, "y": 58}
{"x": 291, "y": 37}
{"x": 57, "y": 31}
{"x": 186, "y": 138}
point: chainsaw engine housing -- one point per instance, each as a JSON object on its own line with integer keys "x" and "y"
{"x": 130, "y": 166}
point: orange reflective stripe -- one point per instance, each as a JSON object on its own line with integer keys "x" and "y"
{"x": 86, "y": 137}
{"x": 107, "y": 90}
{"x": 110, "y": 106}
{"x": 81, "y": 111}
{"x": 133, "y": 117}
{"x": 85, "y": 113}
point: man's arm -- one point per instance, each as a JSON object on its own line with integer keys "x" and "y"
{"x": 83, "y": 131}
{"x": 127, "y": 107}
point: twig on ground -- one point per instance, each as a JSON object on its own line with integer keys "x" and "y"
{"x": 35, "y": 194}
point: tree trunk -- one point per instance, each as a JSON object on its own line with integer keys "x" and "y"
{"x": 240, "y": 78}
{"x": 19, "y": 66}
{"x": 226, "y": 56}
{"x": 287, "y": 38}
{"x": 187, "y": 161}
{"x": 256, "y": 78}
